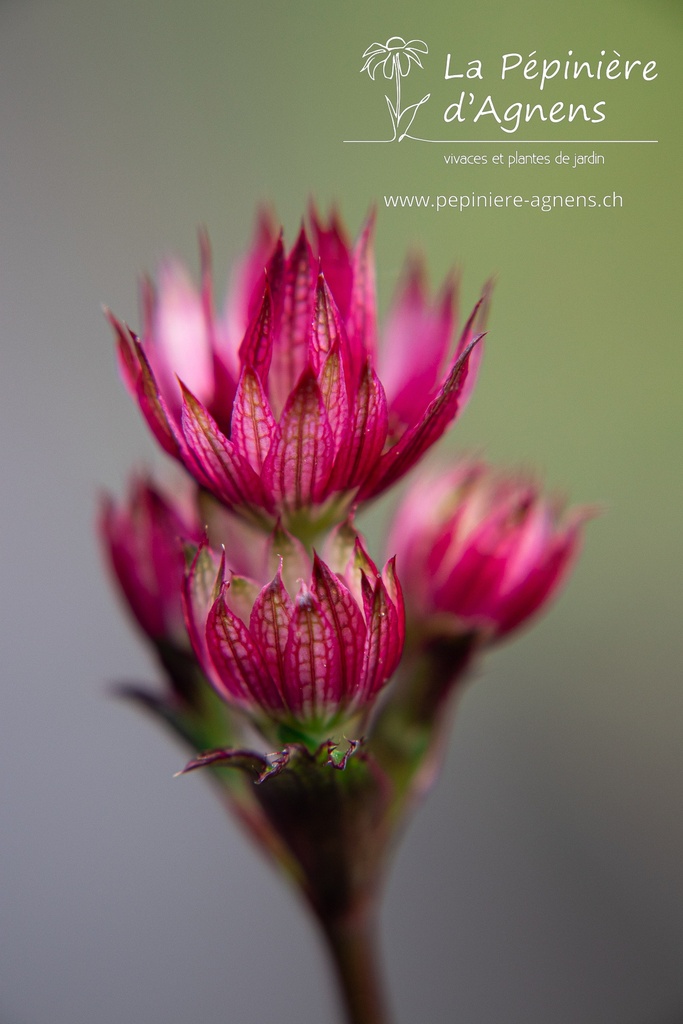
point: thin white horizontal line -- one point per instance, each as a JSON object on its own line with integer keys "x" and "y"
{"x": 535, "y": 142}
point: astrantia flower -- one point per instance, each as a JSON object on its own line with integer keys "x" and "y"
{"x": 305, "y": 654}
{"x": 276, "y": 406}
{"x": 394, "y": 57}
{"x": 142, "y": 539}
{"x": 480, "y": 551}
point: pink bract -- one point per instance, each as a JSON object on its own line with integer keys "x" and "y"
{"x": 276, "y": 405}
{"x": 482, "y": 551}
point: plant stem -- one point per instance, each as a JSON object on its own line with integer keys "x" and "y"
{"x": 397, "y": 69}
{"x": 352, "y": 944}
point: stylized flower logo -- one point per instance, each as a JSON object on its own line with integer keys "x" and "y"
{"x": 395, "y": 57}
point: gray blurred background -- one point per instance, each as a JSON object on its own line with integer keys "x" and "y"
{"x": 543, "y": 881}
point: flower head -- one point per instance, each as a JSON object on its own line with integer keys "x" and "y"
{"x": 142, "y": 539}
{"x": 276, "y": 406}
{"x": 305, "y": 653}
{"x": 394, "y": 57}
{"x": 480, "y": 551}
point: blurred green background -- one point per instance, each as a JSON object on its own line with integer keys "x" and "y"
{"x": 543, "y": 882}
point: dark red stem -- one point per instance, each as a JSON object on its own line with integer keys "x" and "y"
{"x": 352, "y": 941}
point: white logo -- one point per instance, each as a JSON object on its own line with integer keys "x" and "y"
{"x": 395, "y": 58}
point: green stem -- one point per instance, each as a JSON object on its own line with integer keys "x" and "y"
{"x": 352, "y": 943}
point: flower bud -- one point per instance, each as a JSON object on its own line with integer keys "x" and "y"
{"x": 306, "y": 659}
{"x": 481, "y": 552}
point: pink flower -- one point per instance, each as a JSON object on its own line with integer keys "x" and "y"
{"x": 142, "y": 538}
{"x": 481, "y": 551}
{"x": 308, "y": 654}
{"x": 276, "y": 406}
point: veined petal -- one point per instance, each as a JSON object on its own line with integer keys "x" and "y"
{"x": 243, "y": 673}
{"x": 125, "y": 356}
{"x": 253, "y": 426}
{"x": 366, "y": 433}
{"x": 333, "y": 391}
{"x": 473, "y": 333}
{"x": 395, "y": 592}
{"x": 154, "y": 408}
{"x": 275, "y": 276}
{"x": 216, "y": 460}
{"x": 291, "y": 341}
{"x": 328, "y": 331}
{"x": 383, "y": 642}
{"x": 360, "y": 572}
{"x": 257, "y": 347}
{"x": 180, "y": 345}
{"x": 347, "y": 622}
{"x": 141, "y": 383}
{"x": 246, "y": 285}
{"x": 335, "y": 259}
{"x": 224, "y": 393}
{"x": 201, "y": 588}
{"x": 269, "y": 626}
{"x": 299, "y": 462}
{"x": 399, "y": 459}
{"x": 361, "y": 322}
{"x": 312, "y": 660}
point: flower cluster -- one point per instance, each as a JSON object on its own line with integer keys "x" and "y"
{"x": 270, "y": 620}
{"x": 289, "y": 414}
